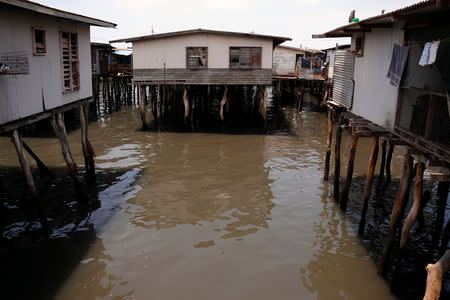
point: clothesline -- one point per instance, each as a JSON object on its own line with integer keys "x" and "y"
{"x": 445, "y": 40}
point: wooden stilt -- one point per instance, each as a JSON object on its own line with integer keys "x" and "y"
{"x": 186, "y": 103}
{"x": 60, "y": 131}
{"x": 17, "y": 140}
{"x": 348, "y": 180}
{"x": 141, "y": 107}
{"x": 88, "y": 150}
{"x": 337, "y": 158}
{"x": 368, "y": 187}
{"x": 396, "y": 211}
{"x": 383, "y": 161}
{"x": 262, "y": 103}
{"x": 388, "y": 162}
{"x": 329, "y": 141}
{"x": 413, "y": 213}
{"x": 435, "y": 273}
{"x": 223, "y": 102}
{"x": 44, "y": 171}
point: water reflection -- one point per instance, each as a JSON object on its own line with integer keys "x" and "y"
{"x": 198, "y": 178}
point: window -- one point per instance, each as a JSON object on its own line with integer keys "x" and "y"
{"x": 39, "y": 44}
{"x": 70, "y": 70}
{"x": 197, "y": 57}
{"x": 359, "y": 46}
{"x": 245, "y": 57}
{"x": 93, "y": 60}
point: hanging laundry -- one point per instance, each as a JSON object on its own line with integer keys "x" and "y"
{"x": 398, "y": 68}
{"x": 433, "y": 52}
{"x": 425, "y": 54}
{"x": 429, "y": 53}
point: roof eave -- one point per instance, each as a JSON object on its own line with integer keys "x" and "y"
{"x": 58, "y": 13}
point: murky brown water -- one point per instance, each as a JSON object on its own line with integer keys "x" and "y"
{"x": 195, "y": 216}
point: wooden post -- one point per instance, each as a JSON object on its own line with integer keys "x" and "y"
{"x": 262, "y": 103}
{"x": 383, "y": 160}
{"x": 348, "y": 180}
{"x": 368, "y": 187}
{"x": 26, "y": 171}
{"x": 43, "y": 170}
{"x": 329, "y": 141}
{"x": 186, "y": 103}
{"x": 434, "y": 277}
{"x": 88, "y": 150}
{"x": 60, "y": 131}
{"x": 223, "y": 102}
{"x": 413, "y": 213}
{"x": 337, "y": 158}
{"x": 402, "y": 195}
{"x": 388, "y": 162}
{"x": 141, "y": 106}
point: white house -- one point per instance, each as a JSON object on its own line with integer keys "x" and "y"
{"x": 45, "y": 69}
{"x": 48, "y": 57}
{"x": 417, "y": 109}
{"x": 202, "y": 56}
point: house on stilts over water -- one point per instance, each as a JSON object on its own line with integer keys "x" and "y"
{"x": 45, "y": 69}
{"x": 179, "y": 65}
{"x": 393, "y": 84}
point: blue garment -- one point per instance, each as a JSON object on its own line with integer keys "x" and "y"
{"x": 398, "y": 73}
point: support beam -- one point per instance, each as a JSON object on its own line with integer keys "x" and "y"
{"x": 414, "y": 212}
{"x": 26, "y": 171}
{"x": 59, "y": 129}
{"x": 329, "y": 141}
{"x": 383, "y": 160}
{"x": 402, "y": 195}
{"x": 348, "y": 180}
{"x": 43, "y": 170}
{"x": 368, "y": 187}
{"x": 337, "y": 158}
{"x": 141, "y": 106}
{"x": 388, "y": 162}
{"x": 186, "y": 103}
{"x": 88, "y": 150}
{"x": 223, "y": 102}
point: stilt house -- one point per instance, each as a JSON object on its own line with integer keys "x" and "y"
{"x": 415, "y": 108}
{"x": 101, "y": 58}
{"x": 46, "y": 59}
{"x": 202, "y": 56}
{"x": 45, "y": 69}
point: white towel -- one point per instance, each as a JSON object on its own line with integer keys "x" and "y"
{"x": 429, "y": 53}
{"x": 433, "y": 52}
{"x": 425, "y": 54}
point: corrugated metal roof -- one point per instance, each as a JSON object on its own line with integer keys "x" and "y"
{"x": 386, "y": 17}
{"x": 46, "y": 10}
{"x": 300, "y": 49}
{"x": 276, "y": 39}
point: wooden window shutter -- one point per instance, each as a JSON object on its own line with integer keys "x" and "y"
{"x": 69, "y": 61}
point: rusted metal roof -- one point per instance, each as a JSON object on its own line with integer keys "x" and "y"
{"x": 300, "y": 49}
{"x": 42, "y": 9}
{"x": 379, "y": 20}
{"x": 276, "y": 39}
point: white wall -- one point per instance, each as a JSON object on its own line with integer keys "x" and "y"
{"x": 152, "y": 54}
{"x": 375, "y": 98}
{"x": 25, "y": 95}
{"x": 284, "y": 60}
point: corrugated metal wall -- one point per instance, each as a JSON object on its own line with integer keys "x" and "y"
{"x": 343, "y": 81}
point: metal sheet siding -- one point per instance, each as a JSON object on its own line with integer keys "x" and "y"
{"x": 343, "y": 81}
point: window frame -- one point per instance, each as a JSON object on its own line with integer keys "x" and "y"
{"x": 33, "y": 37}
{"x": 73, "y": 85}
{"x": 362, "y": 37}
{"x": 196, "y": 67}
{"x": 250, "y": 67}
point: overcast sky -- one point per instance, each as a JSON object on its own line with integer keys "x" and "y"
{"x": 297, "y": 19}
